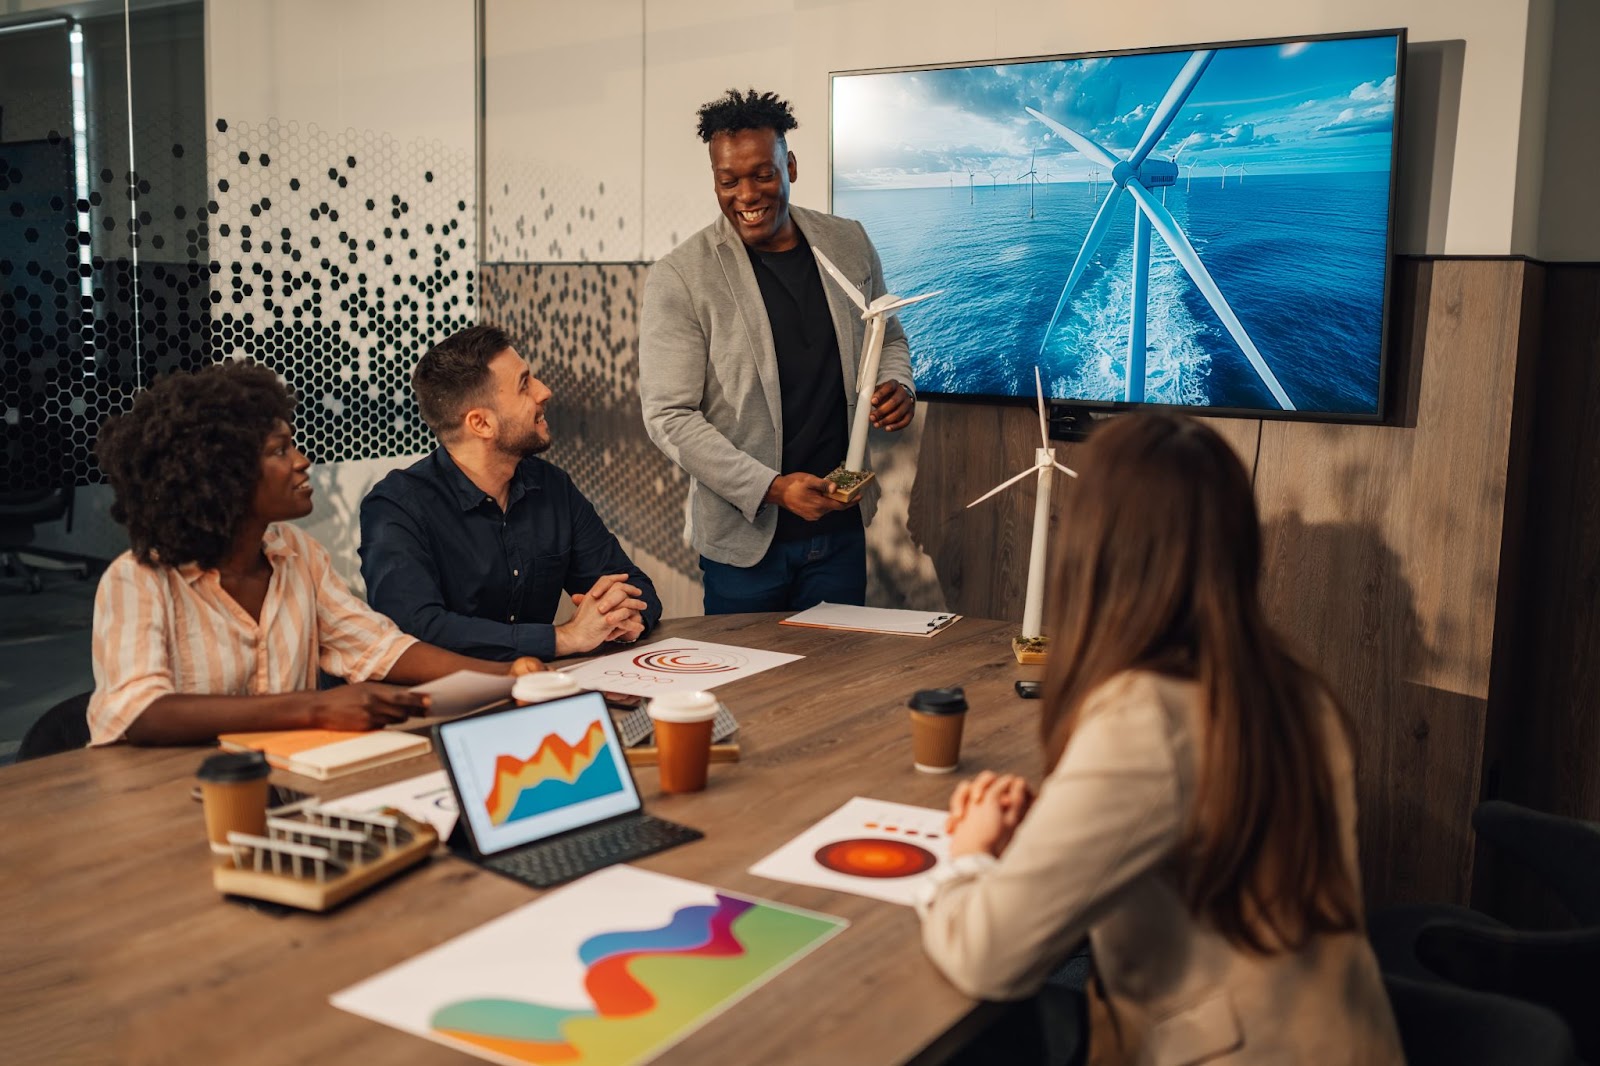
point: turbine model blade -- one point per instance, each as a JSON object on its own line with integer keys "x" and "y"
{"x": 1170, "y": 232}
{"x": 1091, "y": 243}
{"x": 838, "y": 275}
{"x": 1078, "y": 141}
{"x": 1167, "y": 110}
{"x": 1066, "y": 470}
{"x": 1044, "y": 423}
{"x": 884, "y": 304}
{"x": 1006, "y": 484}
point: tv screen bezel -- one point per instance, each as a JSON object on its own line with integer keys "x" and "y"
{"x": 1386, "y": 356}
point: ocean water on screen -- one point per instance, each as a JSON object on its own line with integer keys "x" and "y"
{"x": 1299, "y": 257}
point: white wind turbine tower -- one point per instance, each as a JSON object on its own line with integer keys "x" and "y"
{"x": 1033, "y": 179}
{"x": 1135, "y": 175}
{"x": 1242, "y": 173}
{"x": 1176, "y": 153}
{"x": 1189, "y": 180}
{"x": 874, "y": 314}
{"x": 1044, "y": 467}
{"x": 1225, "y": 168}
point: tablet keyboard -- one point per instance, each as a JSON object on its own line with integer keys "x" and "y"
{"x": 551, "y": 862}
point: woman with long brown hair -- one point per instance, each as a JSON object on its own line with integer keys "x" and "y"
{"x": 1198, "y": 818}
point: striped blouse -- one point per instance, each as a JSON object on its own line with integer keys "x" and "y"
{"x": 163, "y": 630}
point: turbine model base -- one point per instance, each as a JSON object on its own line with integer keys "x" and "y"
{"x": 847, "y": 485}
{"x": 1030, "y": 651}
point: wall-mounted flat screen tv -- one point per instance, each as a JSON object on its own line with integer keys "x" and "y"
{"x": 1201, "y": 226}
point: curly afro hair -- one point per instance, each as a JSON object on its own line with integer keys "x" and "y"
{"x": 748, "y": 110}
{"x": 184, "y": 463}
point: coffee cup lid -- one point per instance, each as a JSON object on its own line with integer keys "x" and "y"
{"x": 544, "y": 686}
{"x": 231, "y": 766}
{"x": 683, "y": 707}
{"x": 939, "y": 701}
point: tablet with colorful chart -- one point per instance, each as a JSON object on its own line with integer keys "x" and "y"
{"x": 867, "y": 847}
{"x": 609, "y": 971}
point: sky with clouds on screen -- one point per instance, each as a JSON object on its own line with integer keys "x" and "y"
{"x": 1306, "y": 107}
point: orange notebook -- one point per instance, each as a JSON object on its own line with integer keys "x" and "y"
{"x": 325, "y": 753}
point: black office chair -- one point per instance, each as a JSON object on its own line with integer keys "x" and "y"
{"x": 1556, "y": 970}
{"x": 36, "y": 487}
{"x": 64, "y": 727}
{"x": 1563, "y": 852}
{"x": 1441, "y": 1025}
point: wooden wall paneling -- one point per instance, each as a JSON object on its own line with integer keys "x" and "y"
{"x": 1383, "y": 547}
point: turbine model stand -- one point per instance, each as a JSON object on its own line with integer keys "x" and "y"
{"x": 850, "y": 479}
{"x": 1030, "y": 647}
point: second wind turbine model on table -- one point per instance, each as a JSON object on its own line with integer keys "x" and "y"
{"x": 850, "y": 479}
{"x": 1029, "y": 648}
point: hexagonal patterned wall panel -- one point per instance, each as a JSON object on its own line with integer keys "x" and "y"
{"x": 334, "y": 258}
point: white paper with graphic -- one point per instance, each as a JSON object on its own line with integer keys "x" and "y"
{"x": 426, "y": 798}
{"x": 867, "y": 847}
{"x": 674, "y": 666}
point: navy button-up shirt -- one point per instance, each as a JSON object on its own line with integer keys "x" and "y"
{"x": 442, "y": 560}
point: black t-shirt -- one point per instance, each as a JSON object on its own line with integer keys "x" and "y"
{"x": 816, "y": 434}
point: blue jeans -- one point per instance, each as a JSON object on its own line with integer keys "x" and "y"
{"x": 793, "y": 575}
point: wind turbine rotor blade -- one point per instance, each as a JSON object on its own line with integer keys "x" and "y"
{"x": 1078, "y": 141}
{"x": 1167, "y": 110}
{"x": 904, "y": 301}
{"x": 1176, "y": 239}
{"x": 1044, "y": 424}
{"x": 1006, "y": 484}
{"x": 838, "y": 275}
{"x": 1066, "y": 470}
{"x": 1091, "y": 244}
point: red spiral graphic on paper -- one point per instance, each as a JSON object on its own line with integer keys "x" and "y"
{"x": 688, "y": 661}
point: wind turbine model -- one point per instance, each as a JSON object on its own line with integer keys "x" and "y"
{"x": 850, "y": 479}
{"x": 1029, "y": 648}
{"x": 1135, "y": 175}
{"x": 1033, "y": 179}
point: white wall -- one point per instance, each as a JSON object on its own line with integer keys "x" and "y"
{"x": 692, "y": 51}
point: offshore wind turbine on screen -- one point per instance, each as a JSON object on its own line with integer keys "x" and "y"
{"x": 1045, "y": 467}
{"x": 1135, "y": 175}
{"x": 1032, "y": 175}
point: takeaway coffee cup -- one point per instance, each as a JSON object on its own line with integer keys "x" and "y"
{"x": 937, "y": 715}
{"x": 682, "y": 723}
{"x": 233, "y": 789}
{"x": 545, "y": 685}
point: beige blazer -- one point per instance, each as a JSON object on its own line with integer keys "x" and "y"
{"x": 708, "y": 374}
{"x": 1097, "y": 855}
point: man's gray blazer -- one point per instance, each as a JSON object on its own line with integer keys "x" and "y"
{"x": 708, "y": 373}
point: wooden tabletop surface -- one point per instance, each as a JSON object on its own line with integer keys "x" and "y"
{"x": 117, "y": 948}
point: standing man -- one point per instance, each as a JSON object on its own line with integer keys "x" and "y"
{"x": 747, "y": 373}
{"x": 471, "y": 547}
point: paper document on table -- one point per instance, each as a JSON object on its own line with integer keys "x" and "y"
{"x": 674, "y": 666}
{"x": 427, "y": 798}
{"x": 465, "y": 690}
{"x": 872, "y": 619}
{"x": 868, "y": 847}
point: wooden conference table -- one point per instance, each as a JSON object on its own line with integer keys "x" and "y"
{"x": 117, "y": 949}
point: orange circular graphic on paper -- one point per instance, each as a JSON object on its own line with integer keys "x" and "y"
{"x": 875, "y": 857}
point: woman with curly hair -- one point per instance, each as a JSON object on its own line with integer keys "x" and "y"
{"x": 219, "y": 616}
{"x": 1198, "y": 817}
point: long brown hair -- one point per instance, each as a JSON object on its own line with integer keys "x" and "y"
{"x": 1159, "y": 567}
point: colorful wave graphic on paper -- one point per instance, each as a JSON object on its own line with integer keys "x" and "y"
{"x": 556, "y": 775}
{"x": 647, "y": 987}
